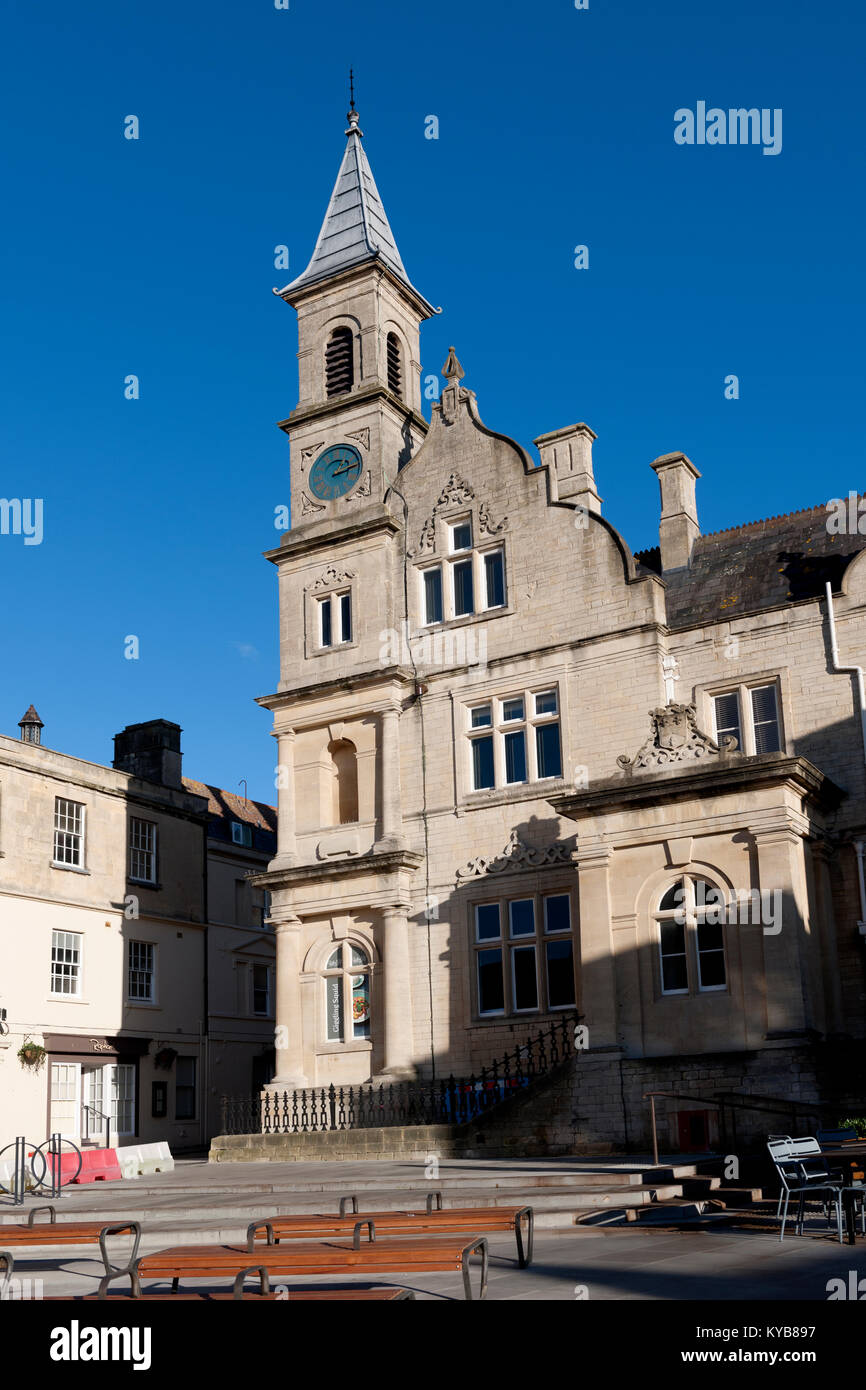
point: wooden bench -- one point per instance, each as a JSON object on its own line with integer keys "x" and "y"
{"x": 299, "y": 1258}
{"x": 433, "y": 1219}
{"x": 54, "y": 1232}
{"x": 327, "y": 1293}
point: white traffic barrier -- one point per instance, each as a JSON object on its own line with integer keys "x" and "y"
{"x": 130, "y": 1160}
{"x": 155, "y": 1158}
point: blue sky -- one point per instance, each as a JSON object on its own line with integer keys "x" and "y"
{"x": 156, "y": 257}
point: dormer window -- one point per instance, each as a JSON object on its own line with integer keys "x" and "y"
{"x": 339, "y": 363}
{"x": 395, "y": 368}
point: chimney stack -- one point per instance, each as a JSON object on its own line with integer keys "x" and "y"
{"x": 151, "y": 752}
{"x": 31, "y": 727}
{"x": 568, "y": 455}
{"x": 678, "y": 527}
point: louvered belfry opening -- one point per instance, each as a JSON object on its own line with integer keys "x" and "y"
{"x": 339, "y": 365}
{"x": 395, "y": 383}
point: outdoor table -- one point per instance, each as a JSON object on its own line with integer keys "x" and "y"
{"x": 855, "y": 1154}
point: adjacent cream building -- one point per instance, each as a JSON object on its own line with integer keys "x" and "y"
{"x": 525, "y": 771}
{"x": 133, "y": 948}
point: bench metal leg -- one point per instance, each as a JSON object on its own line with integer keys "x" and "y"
{"x": 125, "y": 1228}
{"x": 524, "y": 1251}
{"x": 479, "y": 1247}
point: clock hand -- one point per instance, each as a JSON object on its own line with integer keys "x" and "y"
{"x": 335, "y": 472}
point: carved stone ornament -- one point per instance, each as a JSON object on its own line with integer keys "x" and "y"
{"x": 486, "y": 525}
{"x": 516, "y": 855}
{"x": 362, "y": 436}
{"x": 454, "y": 493}
{"x": 308, "y": 506}
{"x": 428, "y": 536}
{"x": 310, "y": 452}
{"x": 331, "y": 578}
{"x": 675, "y": 738}
{"x": 361, "y": 489}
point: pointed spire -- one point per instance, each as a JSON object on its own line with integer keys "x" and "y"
{"x": 356, "y": 227}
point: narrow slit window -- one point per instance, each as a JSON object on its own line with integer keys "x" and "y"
{"x": 483, "y": 776}
{"x": 765, "y": 715}
{"x": 728, "y": 718}
{"x": 345, "y": 601}
{"x": 433, "y": 612}
{"x": 494, "y": 579}
{"x": 326, "y": 637}
{"x": 464, "y": 598}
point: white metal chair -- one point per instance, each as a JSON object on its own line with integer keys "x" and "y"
{"x": 803, "y": 1172}
{"x": 779, "y": 1139}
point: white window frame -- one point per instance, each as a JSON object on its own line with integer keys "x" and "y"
{"x": 332, "y": 604}
{"x": 139, "y": 969}
{"x": 477, "y": 554}
{"x": 142, "y": 850}
{"x": 346, "y": 972}
{"x": 499, "y": 727}
{"x": 743, "y": 690}
{"x": 64, "y": 945}
{"x": 76, "y": 837}
{"x": 687, "y": 915}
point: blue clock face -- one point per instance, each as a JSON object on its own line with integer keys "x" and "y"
{"x": 335, "y": 472}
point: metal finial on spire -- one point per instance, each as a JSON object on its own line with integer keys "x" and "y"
{"x": 352, "y": 114}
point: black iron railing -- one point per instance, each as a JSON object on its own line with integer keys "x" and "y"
{"x": 452, "y": 1102}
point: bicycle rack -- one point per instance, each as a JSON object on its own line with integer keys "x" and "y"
{"x": 48, "y": 1155}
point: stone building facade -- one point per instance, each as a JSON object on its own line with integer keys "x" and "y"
{"x": 133, "y": 948}
{"x": 522, "y": 769}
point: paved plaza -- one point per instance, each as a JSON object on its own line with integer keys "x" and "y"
{"x": 716, "y": 1261}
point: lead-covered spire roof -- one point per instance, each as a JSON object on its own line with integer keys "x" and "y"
{"x": 356, "y": 227}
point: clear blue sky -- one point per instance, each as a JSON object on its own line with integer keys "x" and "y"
{"x": 155, "y": 257}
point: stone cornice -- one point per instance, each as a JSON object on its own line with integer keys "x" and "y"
{"x": 383, "y": 676}
{"x": 336, "y": 405}
{"x": 298, "y": 875}
{"x": 723, "y": 777}
{"x": 328, "y": 535}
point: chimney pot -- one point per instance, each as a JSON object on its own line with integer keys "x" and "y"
{"x": 31, "y": 726}
{"x": 567, "y": 453}
{"x": 151, "y": 752}
{"x": 678, "y": 525}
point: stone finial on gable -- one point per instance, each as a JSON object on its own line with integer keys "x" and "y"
{"x": 675, "y": 738}
{"x": 453, "y": 393}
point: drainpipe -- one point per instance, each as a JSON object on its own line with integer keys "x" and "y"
{"x": 858, "y": 850}
{"x": 846, "y": 670}
{"x": 861, "y": 693}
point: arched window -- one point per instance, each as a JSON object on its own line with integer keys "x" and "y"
{"x": 395, "y": 365}
{"x": 339, "y": 363}
{"x": 344, "y": 763}
{"x": 347, "y": 994}
{"x": 690, "y": 923}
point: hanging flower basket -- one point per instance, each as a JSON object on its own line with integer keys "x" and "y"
{"x": 31, "y": 1054}
{"x": 164, "y": 1058}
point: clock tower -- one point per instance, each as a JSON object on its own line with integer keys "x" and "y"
{"x": 358, "y": 417}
